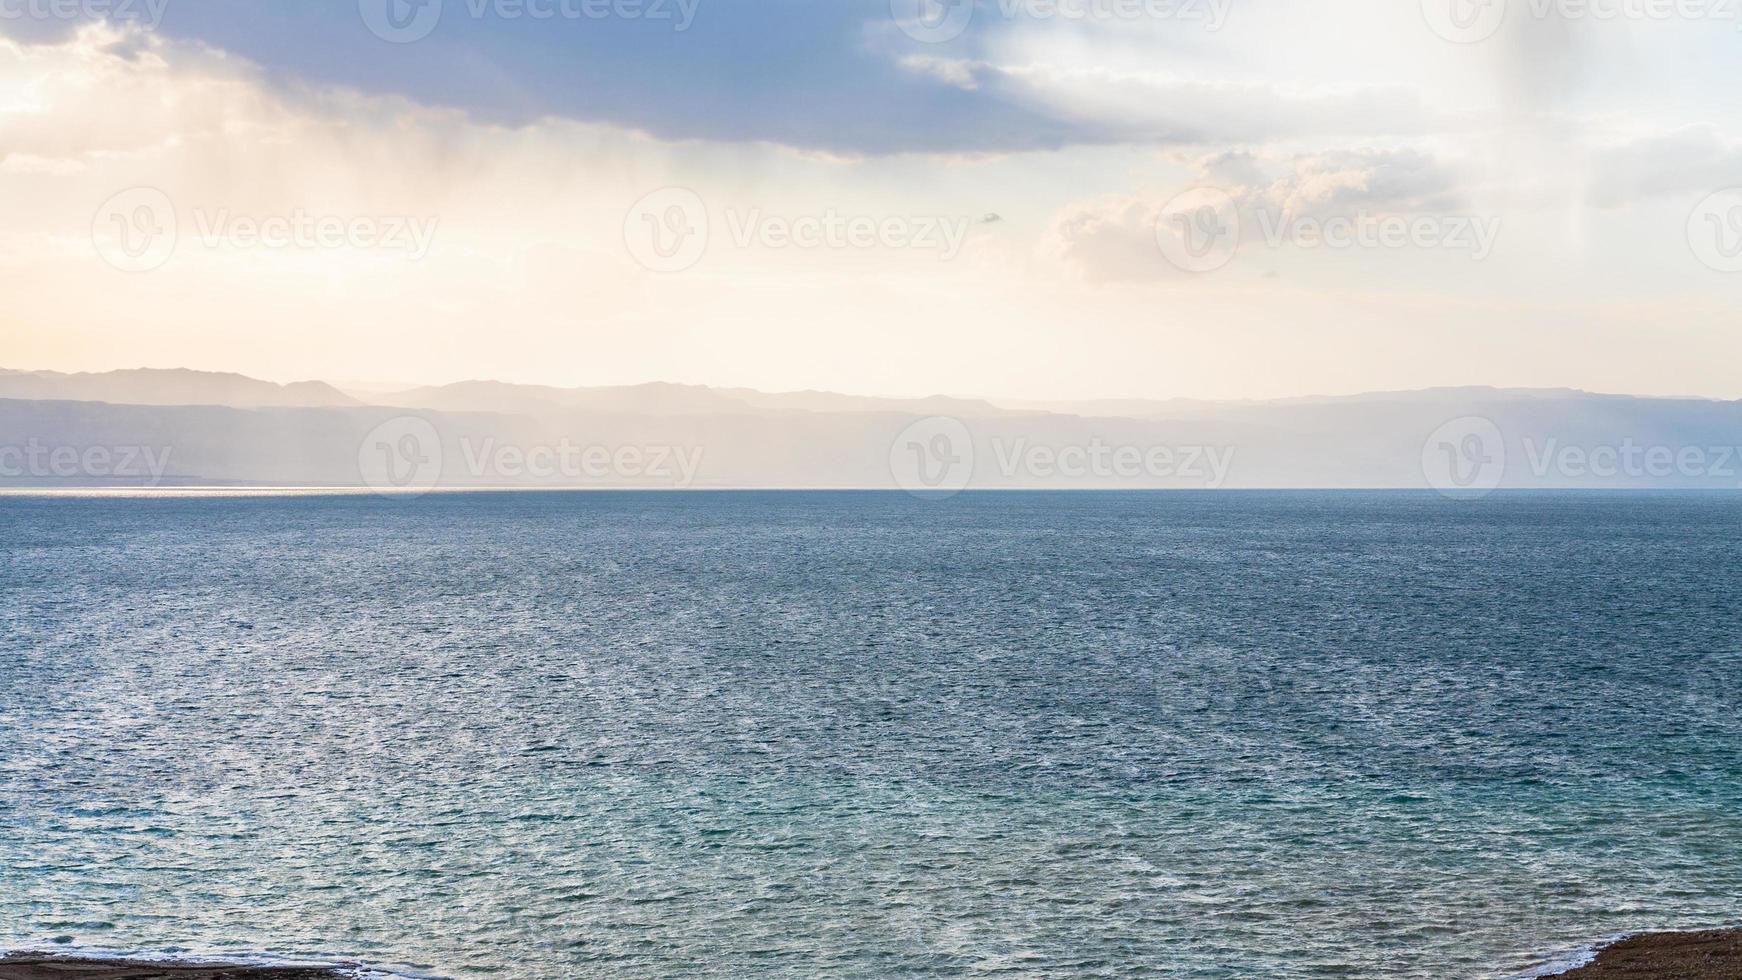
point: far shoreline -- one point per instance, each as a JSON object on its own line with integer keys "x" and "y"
{"x": 271, "y": 490}
{"x": 1712, "y": 954}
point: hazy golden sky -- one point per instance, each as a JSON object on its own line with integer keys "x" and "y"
{"x": 1542, "y": 207}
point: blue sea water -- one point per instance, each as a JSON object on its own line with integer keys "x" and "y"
{"x": 865, "y": 735}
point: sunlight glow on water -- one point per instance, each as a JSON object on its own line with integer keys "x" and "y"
{"x": 654, "y": 735}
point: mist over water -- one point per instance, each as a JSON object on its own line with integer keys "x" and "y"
{"x": 864, "y": 735}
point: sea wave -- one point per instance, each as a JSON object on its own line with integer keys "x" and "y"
{"x": 1566, "y": 961}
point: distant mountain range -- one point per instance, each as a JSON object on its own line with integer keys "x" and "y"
{"x": 180, "y": 427}
{"x": 147, "y": 386}
{"x": 184, "y": 387}
{"x": 657, "y": 400}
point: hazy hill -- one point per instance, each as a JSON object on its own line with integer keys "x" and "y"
{"x": 496, "y": 396}
{"x": 484, "y": 434}
{"x": 827, "y": 401}
{"x": 1191, "y": 407}
{"x": 147, "y": 386}
{"x": 658, "y": 399}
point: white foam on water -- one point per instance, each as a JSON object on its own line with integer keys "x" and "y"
{"x": 1569, "y": 960}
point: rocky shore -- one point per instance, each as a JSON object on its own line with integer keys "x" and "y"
{"x": 36, "y": 967}
{"x": 1711, "y": 955}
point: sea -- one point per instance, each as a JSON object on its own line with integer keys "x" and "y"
{"x": 866, "y": 735}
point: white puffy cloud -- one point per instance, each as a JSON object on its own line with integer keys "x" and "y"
{"x": 1110, "y": 239}
{"x": 1338, "y": 182}
{"x": 1113, "y": 238}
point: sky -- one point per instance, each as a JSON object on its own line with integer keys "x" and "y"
{"x": 1039, "y": 199}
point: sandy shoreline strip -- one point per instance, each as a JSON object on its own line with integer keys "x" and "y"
{"x": 1712, "y": 955}
{"x": 45, "y": 967}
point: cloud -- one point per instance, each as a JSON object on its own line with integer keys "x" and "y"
{"x": 529, "y": 264}
{"x": 962, "y": 73}
{"x": 1110, "y": 239}
{"x": 1342, "y": 182}
{"x": 1155, "y": 108}
{"x": 531, "y": 173}
{"x": 837, "y": 76}
{"x": 843, "y": 78}
{"x": 111, "y": 90}
{"x": 1693, "y": 160}
{"x": 820, "y": 76}
{"x": 1114, "y": 238}
{"x": 526, "y": 219}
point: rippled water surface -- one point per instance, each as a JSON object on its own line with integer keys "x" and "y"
{"x": 627, "y": 735}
